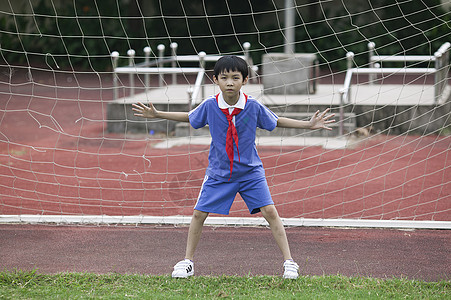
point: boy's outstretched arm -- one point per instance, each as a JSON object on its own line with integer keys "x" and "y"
{"x": 318, "y": 121}
{"x": 142, "y": 110}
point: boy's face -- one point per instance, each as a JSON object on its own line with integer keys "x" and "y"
{"x": 230, "y": 83}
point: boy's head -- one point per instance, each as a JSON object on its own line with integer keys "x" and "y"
{"x": 231, "y": 63}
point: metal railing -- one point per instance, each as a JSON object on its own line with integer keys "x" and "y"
{"x": 440, "y": 70}
{"x": 157, "y": 66}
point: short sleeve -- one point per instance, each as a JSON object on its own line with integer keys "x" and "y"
{"x": 198, "y": 116}
{"x": 266, "y": 118}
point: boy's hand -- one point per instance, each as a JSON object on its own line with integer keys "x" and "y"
{"x": 142, "y": 110}
{"x": 321, "y": 120}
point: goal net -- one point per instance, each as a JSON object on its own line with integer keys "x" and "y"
{"x": 71, "y": 150}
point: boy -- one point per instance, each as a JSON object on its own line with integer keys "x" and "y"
{"x": 234, "y": 165}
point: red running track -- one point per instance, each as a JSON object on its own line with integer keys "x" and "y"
{"x": 243, "y": 251}
{"x": 57, "y": 158}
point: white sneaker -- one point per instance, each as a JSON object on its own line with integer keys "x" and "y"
{"x": 290, "y": 269}
{"x": 183, "y": 269}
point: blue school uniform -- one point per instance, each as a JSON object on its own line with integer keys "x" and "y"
{"x": 247, "y": 165}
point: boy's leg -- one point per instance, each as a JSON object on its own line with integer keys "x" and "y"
{"x": 269, "y": 212}
{"x": 194, "y": 233}
{"x": 185, "y": 268}
{"x": 290, "y": 267}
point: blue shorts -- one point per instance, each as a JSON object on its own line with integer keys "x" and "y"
{"x": 217, "y": 196}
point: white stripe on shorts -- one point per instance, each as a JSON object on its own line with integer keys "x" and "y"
{"x": 201, "y": 188}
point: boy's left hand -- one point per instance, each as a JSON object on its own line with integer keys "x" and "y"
{"x": 321, "y": 120}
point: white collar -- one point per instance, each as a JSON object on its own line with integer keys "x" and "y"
{"x": 240, "y": 104}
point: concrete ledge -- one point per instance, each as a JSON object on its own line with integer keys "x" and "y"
{"x": 121, "y": 118}
{"x": 394, "y": 109}
{"x": 183, "y": 129}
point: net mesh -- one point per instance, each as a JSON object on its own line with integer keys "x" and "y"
{"x": 70, "y": 145}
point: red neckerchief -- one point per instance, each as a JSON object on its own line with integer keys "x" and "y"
{"x": 232, "y": 135}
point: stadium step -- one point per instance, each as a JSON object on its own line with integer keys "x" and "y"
{"x": 349, "y": 125}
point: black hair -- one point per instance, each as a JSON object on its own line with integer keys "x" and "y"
{"x": 231, "y": 63}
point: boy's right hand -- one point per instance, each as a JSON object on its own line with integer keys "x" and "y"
{"x": 142, "y": 110}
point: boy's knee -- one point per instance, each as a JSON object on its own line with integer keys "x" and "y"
{"x": 200, "y": 215}
{"x": 269, "y": 212}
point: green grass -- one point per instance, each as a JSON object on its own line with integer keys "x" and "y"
{"x": 32, "y": 285}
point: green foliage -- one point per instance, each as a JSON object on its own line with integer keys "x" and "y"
{"x": 81, "y": 34}
{"x": 77, "y": 35}
{"x": 397, "y": 28}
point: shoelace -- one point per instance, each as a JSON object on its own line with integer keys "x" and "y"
{"x": 184, "y": 265}
{"x": 290, "y": 266}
